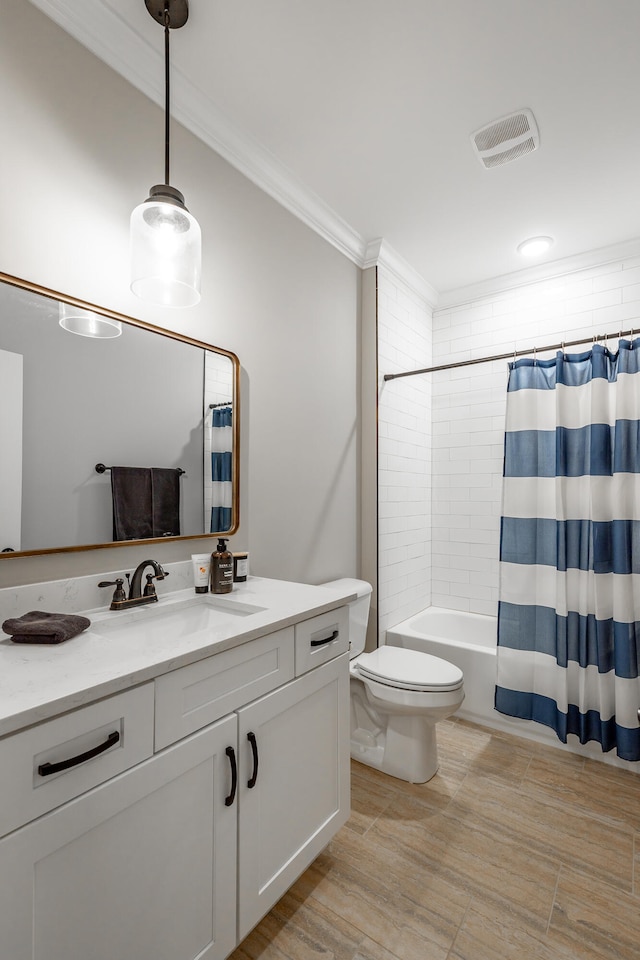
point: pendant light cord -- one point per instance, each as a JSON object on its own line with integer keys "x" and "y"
{"x": 166, "y": 91}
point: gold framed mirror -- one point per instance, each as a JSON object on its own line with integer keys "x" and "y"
{"x": 86, "y": 389}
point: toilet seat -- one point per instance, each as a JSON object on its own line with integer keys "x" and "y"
{"x": 409, "y": 670}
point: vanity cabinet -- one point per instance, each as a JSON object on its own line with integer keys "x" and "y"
{"x": 227, "y": 778}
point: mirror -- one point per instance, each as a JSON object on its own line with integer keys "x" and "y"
{"x": 135, "y": 396}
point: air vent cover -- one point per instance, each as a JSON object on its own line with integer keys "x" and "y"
{"x": 506, "y": 139}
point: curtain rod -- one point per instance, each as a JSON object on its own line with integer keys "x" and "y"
{"x": 512, "y": 354}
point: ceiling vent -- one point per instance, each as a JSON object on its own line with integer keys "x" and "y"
{"x": 506, "y": 139}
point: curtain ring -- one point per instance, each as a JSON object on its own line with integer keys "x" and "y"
{"x": 535, "y": 358}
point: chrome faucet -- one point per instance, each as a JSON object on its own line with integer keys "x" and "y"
{"x": 137, "y": 595}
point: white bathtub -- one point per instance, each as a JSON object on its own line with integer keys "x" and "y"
{"x": 466, "y": 639}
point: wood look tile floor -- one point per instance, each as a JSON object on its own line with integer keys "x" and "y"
{"x": 513, "y": 850}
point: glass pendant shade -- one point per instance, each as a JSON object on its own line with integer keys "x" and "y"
{"x": 86, "y": 323}
{"x": 165, "y": 250}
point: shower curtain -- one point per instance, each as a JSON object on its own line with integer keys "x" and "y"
{"x": 221, "y": 468}
{"x": 569, "y": 610}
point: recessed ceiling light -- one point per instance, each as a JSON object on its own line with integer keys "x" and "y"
{"x": 534, "y": 246}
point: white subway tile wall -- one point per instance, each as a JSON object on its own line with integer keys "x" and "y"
{"x": 404, "y": 453}
{"x": 468, "y": 406}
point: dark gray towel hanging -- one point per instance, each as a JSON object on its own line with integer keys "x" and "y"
{"x": 146, "y": 502}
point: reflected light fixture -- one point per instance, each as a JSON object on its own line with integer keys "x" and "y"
{"x": 165, "y": 237}
{"x": 86, "y": 323}
{"x": 534, "y": 246}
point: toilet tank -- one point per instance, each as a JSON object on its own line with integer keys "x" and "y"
{"x": 358, "y": 611}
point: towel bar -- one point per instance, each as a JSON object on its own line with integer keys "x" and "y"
{"x": 100, "y": 468}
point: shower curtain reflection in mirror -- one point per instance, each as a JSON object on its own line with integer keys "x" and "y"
{"x": 221, "y": 468}
{"x": 569, "y": 611}
{"x": 218, "y": 445}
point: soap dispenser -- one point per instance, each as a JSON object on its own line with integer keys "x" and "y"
{"x": 221, "y": 568}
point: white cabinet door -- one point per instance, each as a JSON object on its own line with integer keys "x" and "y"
{"x": 294, "y": 784}
{"x": 124, "y": 872}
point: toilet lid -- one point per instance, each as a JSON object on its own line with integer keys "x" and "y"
{"x": 409, "y": 669}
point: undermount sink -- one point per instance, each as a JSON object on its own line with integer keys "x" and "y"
{"x": 173, "y": 618}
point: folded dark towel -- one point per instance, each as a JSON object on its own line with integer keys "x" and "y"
{"x": 146, "y": 502}
{"x": 39, "y": 627}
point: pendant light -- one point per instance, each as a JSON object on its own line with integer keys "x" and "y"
{"x": 86, "y": 323}
{"x": 165, "y": 237}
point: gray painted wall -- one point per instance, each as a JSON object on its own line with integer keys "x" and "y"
{"x": 81, "y": 148}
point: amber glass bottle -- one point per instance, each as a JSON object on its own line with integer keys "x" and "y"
{"x": 221, "y": 568}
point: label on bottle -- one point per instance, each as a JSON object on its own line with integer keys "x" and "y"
{"x": 221, "y": 574}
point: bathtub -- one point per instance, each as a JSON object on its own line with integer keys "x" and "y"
{"x": 466, "y": 639}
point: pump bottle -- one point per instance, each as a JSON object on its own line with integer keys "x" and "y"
{"x": 221, "y": 568}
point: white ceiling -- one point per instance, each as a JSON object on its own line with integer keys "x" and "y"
{"x": 357, "y": 115}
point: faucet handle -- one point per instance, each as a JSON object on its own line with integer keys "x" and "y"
{"x": 118, "y": 593}
{"x": 149, "y": 590}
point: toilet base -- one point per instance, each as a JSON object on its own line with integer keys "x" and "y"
{"x": 407, "y": 749}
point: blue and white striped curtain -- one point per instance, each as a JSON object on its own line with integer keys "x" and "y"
{"x": 221, "y": 468}
{"x": 569, "y": 611}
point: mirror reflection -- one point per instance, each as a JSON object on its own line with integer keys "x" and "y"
{"x": 111, "y": 430}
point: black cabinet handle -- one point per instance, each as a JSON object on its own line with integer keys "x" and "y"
{"x": 234, "y": 776}
{"x": 321, "y": 643}
{"x": 251, "y": 737}
{"x": 46, "y": 769}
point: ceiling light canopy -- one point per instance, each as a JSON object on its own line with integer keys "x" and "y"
{"x": 165, "y": 237}
{"x": 535, "y": 246}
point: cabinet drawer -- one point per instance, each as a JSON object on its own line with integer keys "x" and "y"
{"x": 320, "y": 639}
{"x": 90, "y": 745}
{"x": 194, "y": 696}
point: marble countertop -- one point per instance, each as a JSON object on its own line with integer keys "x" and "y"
{"x": 124, "y": 648}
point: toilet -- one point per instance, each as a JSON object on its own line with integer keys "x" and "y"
{"x": 397, "y": 698}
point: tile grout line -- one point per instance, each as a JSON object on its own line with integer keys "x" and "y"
{"x": 460, "y": 926}
{"x": 553, "y": 899}
{"x": 376, "y": 818}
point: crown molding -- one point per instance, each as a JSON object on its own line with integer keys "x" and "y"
{"x": 378, "y": 253}
{"x": 546, "y": 271}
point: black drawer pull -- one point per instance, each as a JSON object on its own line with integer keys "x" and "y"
{"x": 230, "y": 752}
{"x": 46, "y": 769}
{"x": 251, "y": 737}
{"x": 321, "y": 643}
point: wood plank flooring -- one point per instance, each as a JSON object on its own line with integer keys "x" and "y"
{"x": 513, "y": 850}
